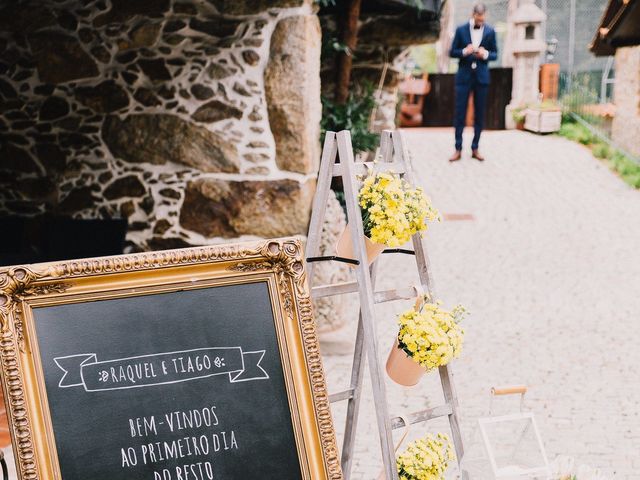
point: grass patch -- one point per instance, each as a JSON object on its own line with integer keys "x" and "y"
{"x": 617, "y": 161}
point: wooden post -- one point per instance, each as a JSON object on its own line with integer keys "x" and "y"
{"x": 349, "y": 38}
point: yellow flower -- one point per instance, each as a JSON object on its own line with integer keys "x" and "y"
{"x": 431, "y": 336}
{"x": 392, "y": 209}
{"x": 426, "y": 459}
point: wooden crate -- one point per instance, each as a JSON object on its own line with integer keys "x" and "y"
{"x": 542, "y": 121}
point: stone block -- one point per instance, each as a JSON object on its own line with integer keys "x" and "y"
{"x": 105, "y": 97}
{"x": 60, "y": 58}
{"x": 253, "y": 7}
{"x": 292, "y": 83}
{"x": 163, "y": 138}
{"x": 224, "y": 208}
{"x": 214, "y": 111}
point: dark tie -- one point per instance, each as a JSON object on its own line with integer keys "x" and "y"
{"x": 476, "y": 27}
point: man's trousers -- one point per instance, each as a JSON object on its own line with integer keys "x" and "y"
{"x": 463, "y": 90}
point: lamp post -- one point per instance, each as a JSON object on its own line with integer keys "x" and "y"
{"x": 528, "y": 49}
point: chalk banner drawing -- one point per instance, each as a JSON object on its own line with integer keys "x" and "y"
{"x": 84, "y": 370}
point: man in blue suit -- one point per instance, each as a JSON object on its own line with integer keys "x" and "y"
{"x": 475, "y": 45}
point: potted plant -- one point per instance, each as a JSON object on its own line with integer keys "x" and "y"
{"x": 518, "y": 115}
{"x": 426, "y": 458}
{"x": 392, "y": 211}
{"x": 543, "y": 117}
{"x": 429, "y": 337}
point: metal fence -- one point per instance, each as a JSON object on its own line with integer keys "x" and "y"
{"x": 571, "y": 23}
{"x": 586, "y": 81}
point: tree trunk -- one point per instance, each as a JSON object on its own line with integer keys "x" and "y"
{"x": 349, "y": 37}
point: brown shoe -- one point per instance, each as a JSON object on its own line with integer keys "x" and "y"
{"x": 476, "y": 154}
{"x": 456, "y": 156}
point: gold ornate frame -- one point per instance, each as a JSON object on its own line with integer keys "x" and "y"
{"x": 279, "y": 262}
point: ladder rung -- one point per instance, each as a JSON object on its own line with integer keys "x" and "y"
{"x": 396, "y": 294}
{"x": 422, "y": 416}
{"x": 335, "y": 289}
{"x": 344, "y": 395}
{"x": 363, "y": 168}
{"x": 351, "y": 287}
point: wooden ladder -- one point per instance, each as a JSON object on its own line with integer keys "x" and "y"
{"x": 393, "y": 157}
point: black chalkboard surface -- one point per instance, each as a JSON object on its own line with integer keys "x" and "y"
{"x": 184, "y": 385}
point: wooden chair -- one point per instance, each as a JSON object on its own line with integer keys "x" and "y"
{"x": 414, "y": 90}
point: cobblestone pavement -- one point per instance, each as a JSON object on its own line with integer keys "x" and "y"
{"x": 549, "y": 268}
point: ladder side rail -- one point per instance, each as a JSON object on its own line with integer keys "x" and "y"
{"x": 318, "y": 210}
{"x": 353, "y": 406}
{"x": 450, "y": 397}
{"x": 426, "y": 278}
{"x": 345, "y": 152}
{"x": 386, "y": 147}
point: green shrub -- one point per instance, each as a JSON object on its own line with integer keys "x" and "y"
{"x": 617, "y": 161}
{"x": 354, "y": 116}
{"x": 519, "y": 113}
{"x": 577, "y": 133}
{"x": 628, "y": 170}
{"x": 633, "y": 180}
{"x": 601, "y": 150}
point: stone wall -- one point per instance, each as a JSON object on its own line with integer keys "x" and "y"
{"x": 196, "y": 120}
{"x": 626, "y": 93}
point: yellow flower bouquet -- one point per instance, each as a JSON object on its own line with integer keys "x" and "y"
{"x": 426, "y": 459}
{"x": 429, "y": 337}
{"x": 392, "y": 210}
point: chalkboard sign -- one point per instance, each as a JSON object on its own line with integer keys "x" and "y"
{"x": 194, "y": 364}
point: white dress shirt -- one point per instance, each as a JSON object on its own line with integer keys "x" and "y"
{"x": 476, "y": 37}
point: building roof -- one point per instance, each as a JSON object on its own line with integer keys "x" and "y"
{"x": 618, "y": 27}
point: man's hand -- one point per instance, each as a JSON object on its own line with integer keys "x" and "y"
{"x": 482, "y": 53}
{"x": 468, "y": 50}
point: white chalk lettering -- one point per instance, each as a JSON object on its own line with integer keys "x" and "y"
{"x": 192, "y": 419}
{"x": 129, "y": 457}
{"x": 195, "y": 471}
{"x": 175, "y": 449}
{"x": 143, "y": 427}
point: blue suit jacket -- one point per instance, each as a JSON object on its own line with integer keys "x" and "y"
{"x": 461, "y": 39}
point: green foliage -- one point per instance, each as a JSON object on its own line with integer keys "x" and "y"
{"x": 601, "y": 150}
{"x": 577, "y": 133}
{"x": 425, "y": 59}
{"x": 628, "y": 169}
{"x": 354, "y": 116}
{"x": 518, "y": 114}
{"x": 617, "y": 161}
{"x": 331, "y": 46}
{"x": 545, "y": 106}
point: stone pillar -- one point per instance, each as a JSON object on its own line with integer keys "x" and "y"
{"x": 527, "y": 49}
{"x": 525, "y": 87}
{"x": 292, "y": 86}
{"x": 626, "y": 93}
